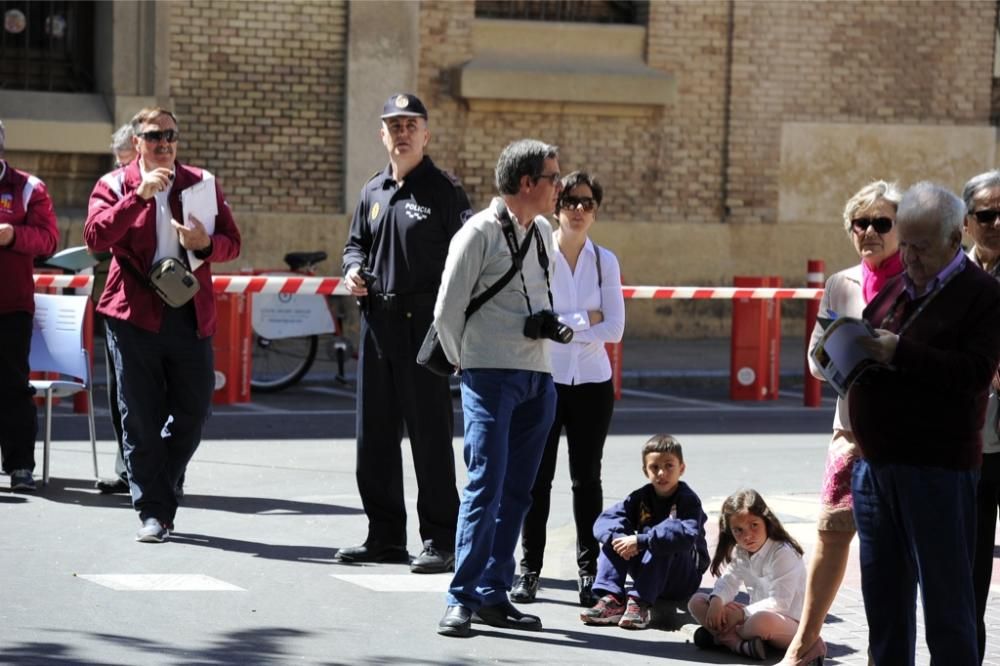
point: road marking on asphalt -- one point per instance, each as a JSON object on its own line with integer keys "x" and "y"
{"x": 407, "y": 582}
{"x": 161, "y": 582}
{"x": 331, "y": 391}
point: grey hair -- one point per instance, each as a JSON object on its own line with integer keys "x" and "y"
{"x": 122, "y": 139}
{"x": 867, "y": 196}
{"x": 3, "y": 138}
{"x": 927, "y": 199}
{"x": 976, "y": 184}
{"x": 525, "y": 157}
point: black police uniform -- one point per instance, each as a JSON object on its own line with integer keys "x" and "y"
{"x": 400, "y": 232}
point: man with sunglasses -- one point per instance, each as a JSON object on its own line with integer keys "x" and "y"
{"x": 162, "y": 354}
{"x": 508, "y": 398}
{"x": 393, "y": 260}
{"x": 917, "y": 420}
{"x": 982, "y": 224}
{"x": 27, "y": 230}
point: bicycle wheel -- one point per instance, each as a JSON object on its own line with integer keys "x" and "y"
{"x": 277, "y": 364}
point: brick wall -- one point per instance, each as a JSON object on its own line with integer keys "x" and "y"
{"x": 259, "y": 89}
{"x": 901, "y": 62}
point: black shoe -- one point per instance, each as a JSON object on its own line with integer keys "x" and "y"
{"x": 432, "y": 561}
{"x": 152, "y": 531}
{"x": 371, "y": 552}
{"x": 586, "y": 587}
{"x": 526, "y": 589}
{"x": 506, "y": 616}
{"x": 703, "y": 638}
{"x": 456, "y": 622}
{"x": 112, "y": 486}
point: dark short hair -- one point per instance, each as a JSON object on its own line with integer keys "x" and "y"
{"x": 575, "y": 178}
{"x": 148, "y": 114}
{"x": 525, "y": 157}
{"x": 662, "y": 444}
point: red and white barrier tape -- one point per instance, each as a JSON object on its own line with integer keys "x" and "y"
{"x": 290, "y": 284}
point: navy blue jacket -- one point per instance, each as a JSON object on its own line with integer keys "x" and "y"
{"x": 664, "y": 525}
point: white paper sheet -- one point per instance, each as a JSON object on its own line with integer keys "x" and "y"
{"x": 199, "y": 200}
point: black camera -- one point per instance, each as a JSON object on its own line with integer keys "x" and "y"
{"x": 369, "y": 278}
{"x": 545, "y": 324}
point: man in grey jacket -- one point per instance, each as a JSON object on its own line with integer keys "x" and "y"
{"x": 508, "y": 399}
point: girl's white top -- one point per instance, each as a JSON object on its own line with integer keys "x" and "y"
{"x": 775, "y": 579}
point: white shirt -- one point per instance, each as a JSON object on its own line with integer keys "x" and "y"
{"x": 168, "y": 244}
{"x": 584, "y": 360}
{"x": 775, "y": 579}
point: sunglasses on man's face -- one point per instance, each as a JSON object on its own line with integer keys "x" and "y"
{"x": 586, "y": 203}
{"x": 986, "y": 217}
{"x": 155, "y": 136}
{"x": 881, "y": 225}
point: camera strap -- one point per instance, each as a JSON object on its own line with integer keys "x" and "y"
{"x": 517, "y": 258}
{"x": 518, "y": 253}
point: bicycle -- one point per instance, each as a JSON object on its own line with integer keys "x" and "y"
{"x": 286, "y": 330}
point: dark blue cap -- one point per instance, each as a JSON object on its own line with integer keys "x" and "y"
{"x": 404, "y": 104}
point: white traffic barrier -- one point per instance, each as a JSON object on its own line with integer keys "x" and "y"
{"x": 292, "y": 284}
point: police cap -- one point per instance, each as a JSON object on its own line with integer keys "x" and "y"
{"x": 404, "y": 104}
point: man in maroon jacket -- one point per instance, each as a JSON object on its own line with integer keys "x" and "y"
{"x": 918, "y": 421}
{"x": 162, "y": 354}
{"x": 27, "y": 229}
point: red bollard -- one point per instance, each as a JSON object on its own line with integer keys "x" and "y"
{"x": 815, "y": 277}
{"x": 614, "y": 350}
{"x": 755, "y": 352}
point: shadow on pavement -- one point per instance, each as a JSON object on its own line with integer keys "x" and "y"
{"x": 258, "y": 646}
{"x": 82, "y": 493}
{"x": 265, "y": 505}
{"x": 311, "y": 554}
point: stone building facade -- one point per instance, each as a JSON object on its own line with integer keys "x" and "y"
{"x": 728, "y": 133}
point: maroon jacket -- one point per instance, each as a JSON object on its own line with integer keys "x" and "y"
{"x": 25, "y": 204}
{"x": 929, "y": 410}
{"x": 121, "y": 221}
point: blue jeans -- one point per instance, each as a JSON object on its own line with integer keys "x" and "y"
{"x": 165, "y": 374}
{"x": 508, "y": 414}
{"x": 916, "y": 526}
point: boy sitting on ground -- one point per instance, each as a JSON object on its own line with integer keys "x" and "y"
{"x": 656, "y": 536}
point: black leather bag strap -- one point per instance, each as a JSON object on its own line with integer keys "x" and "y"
{"x": 517, "y": 253}
{"x": 127, "y": 264}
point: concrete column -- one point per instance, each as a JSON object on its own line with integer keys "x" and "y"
{"x": 383, "y": 42}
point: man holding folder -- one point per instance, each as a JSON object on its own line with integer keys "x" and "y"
{"x": 162, "y": 349}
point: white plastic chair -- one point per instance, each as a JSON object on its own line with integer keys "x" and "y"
{"x": 57, "y": 345}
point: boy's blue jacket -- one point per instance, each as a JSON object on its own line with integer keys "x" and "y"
{"x": 664, "y": 525}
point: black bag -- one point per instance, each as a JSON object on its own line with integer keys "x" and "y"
{"x": 431, "y": 354}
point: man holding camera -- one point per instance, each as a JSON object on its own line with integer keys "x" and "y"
{"x": 393, "y": 259}
{"x": 508, "y": 398}
{"x": 161, "y": 347}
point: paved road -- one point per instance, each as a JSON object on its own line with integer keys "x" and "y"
{"x": 249, "y": 577}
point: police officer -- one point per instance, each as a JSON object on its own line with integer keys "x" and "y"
{"x": 393, "y": 261}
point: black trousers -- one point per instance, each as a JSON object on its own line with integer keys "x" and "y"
{"x": 584, "y": 410}
{"x": 987, "y": 506}
{"x": 18, "y": 414}
{"x": 397, "y": 396}
{"x": 165, "y": 374}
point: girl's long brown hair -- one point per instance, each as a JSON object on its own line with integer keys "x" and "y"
{"x": 750, "y": 501}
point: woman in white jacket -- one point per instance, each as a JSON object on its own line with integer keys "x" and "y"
{"x": 757, "y": 552}
{"x": 587, "y": 297}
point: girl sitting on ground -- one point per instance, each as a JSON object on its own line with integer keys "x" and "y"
{"x": 756, "y": 551}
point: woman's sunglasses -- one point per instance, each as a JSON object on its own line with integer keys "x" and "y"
{"x": 882, "y": 225}
{"x": 586, "y": 203}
